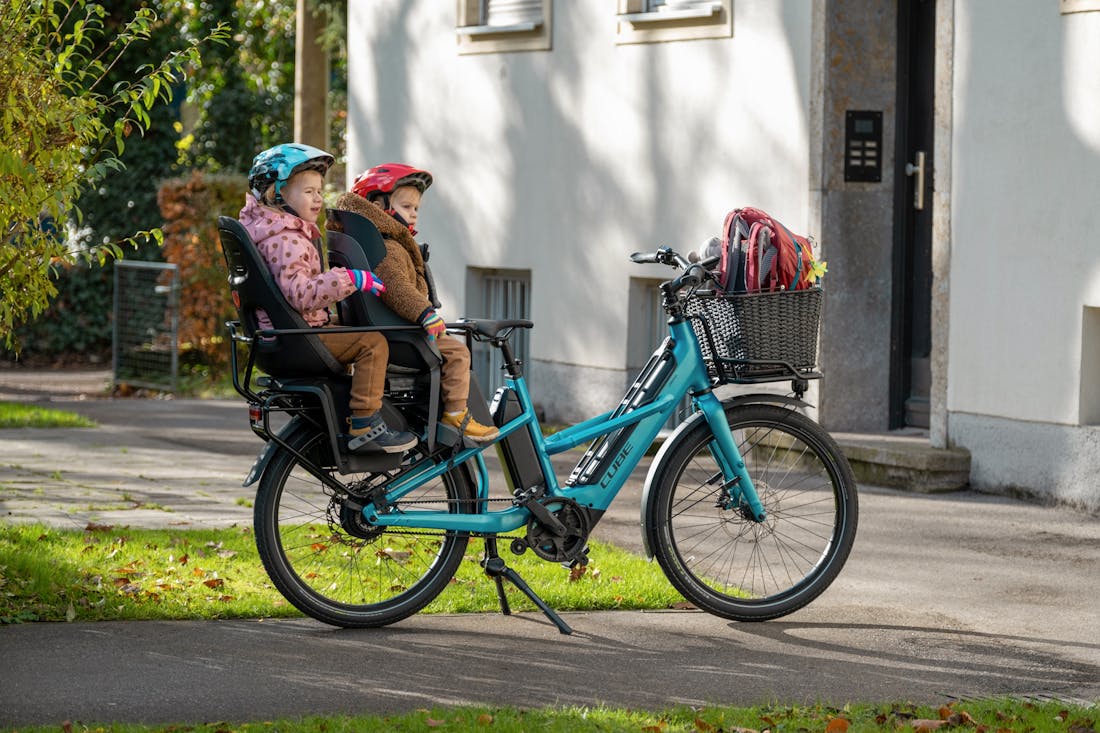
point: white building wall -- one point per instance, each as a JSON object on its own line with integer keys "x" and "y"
{"x": 563, "y": 162}
{"x": 1025, "y": 265}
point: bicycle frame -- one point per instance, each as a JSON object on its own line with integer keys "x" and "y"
{"x": 676, "y": 368}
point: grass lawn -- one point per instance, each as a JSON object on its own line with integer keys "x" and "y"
{"x": 26, "y": 415}
{"x": 979, "y": 716}
{"x": 109, "y": 573}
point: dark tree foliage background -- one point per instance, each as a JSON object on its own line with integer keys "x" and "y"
{"x": 245, "y": 96}
{"x": 240, "y": 102}
{"x": 78, "y": 321}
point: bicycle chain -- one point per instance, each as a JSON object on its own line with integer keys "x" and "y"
{"x": 451, "y": 502}
{"x": 444, "y": 532}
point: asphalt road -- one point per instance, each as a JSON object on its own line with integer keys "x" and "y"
{"x": 944, "y": 596}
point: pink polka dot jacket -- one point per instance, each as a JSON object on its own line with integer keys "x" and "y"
{"x": 290, "y": 247}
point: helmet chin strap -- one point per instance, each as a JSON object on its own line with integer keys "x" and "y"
{"x": 279, "y": 203}
{"x": 401, "y": 220}
{"x": 384, "y": 202}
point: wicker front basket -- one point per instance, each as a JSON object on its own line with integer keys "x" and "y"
{"x": 758, "y": 336}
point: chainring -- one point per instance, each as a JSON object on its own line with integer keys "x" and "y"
{"x": 550, "y": 546}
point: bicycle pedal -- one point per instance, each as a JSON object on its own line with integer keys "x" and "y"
{"x": 581, "y": 560}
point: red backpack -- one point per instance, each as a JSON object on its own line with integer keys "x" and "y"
{"x": 761, "y": 255}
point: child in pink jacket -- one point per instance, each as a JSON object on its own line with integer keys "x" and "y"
{"x": 280, "y": 215}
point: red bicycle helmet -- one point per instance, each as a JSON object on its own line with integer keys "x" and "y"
{"x": 382, "y": 180}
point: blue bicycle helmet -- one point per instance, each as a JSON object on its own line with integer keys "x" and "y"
{"x": 276, "y": 165}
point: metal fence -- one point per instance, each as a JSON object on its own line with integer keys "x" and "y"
{"x": 146, "y": 311}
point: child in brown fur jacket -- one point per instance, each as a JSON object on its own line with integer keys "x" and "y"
{"x": 389, "y": 197}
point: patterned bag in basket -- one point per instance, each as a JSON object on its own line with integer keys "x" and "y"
{"x": 761, "y": 255}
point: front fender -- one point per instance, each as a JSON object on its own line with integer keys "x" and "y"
{"x": 658, "y": 466}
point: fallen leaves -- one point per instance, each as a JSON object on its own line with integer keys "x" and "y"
{"x": 103, "y": 571}
{"x": 399, "y": 556}
{"x": 139, "y": 581}
{"x": 899, "y": 719}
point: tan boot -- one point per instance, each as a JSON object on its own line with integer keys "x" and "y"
{"x": 469, "y": 427}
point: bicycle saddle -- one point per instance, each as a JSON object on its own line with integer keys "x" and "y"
{"x": 491, "y": 329}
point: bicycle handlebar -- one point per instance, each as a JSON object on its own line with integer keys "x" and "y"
{"x": 696, "y": 271}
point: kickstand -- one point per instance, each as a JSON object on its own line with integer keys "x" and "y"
{"x": 496, "y": 569}
{"x": 498, "y": 577}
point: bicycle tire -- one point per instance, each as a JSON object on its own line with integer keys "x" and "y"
{"x": 729, "y": 565}
{"x": 333, "y": 566}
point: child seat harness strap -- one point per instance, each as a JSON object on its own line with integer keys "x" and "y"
{"x": 368, "y": 436}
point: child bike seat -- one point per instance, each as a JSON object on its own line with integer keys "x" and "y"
{"x": 360, "y": 246}
{"x": 254, "y": 288}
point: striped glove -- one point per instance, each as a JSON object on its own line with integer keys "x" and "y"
{"x": 366, "y": 280}
{"x": 432, "y": 323}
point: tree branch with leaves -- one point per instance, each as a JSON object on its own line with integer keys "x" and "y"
{"x": 61, "y": 133}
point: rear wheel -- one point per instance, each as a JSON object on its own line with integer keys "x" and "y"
{"x": 331, "y": 564}
{"x": 725, "y": 562}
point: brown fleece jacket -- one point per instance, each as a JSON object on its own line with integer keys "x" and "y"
{"x": 402, "y": 269}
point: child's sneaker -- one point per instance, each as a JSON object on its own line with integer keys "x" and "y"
{"x": 469, "y": 427}
{"x": 372, "y": 435}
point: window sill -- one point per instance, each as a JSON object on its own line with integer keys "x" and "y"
{"x": 707, "y": 20}
{"x": 661, "y": 16}
{"x": 1080, "y": 6}
{"x": 487, "y": 30}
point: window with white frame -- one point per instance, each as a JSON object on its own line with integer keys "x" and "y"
{"x": 499, "y": 294}
{"x": 499, "y": 26}
{"x": 654, "y": 21}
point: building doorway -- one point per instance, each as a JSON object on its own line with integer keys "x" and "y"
{"x": 911, "y": 330}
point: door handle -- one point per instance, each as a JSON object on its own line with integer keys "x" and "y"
{"x": 917, "y": 169}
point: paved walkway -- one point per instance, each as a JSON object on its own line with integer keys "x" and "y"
{"x": 944, "y": 596}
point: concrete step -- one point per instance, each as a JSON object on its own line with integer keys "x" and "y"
{"x": 905, "y": 460}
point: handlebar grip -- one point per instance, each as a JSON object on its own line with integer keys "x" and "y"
{"x": 693, "y": 275}
{"x": 644, "y": 258}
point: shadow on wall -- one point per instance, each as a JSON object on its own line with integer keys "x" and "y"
{"x": 552, "y": 132}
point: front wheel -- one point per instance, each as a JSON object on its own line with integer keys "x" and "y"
{"x": 725, "y": 562}
{"x": 330, "y": 563}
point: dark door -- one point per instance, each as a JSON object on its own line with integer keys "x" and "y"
{"x": 911, "y": 342}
